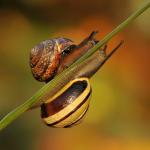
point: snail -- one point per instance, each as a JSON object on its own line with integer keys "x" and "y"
{"x": 46, "y": 57}
{"x": 68, "y": 103}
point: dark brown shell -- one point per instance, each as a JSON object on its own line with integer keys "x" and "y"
{"x": 45, "y": 58}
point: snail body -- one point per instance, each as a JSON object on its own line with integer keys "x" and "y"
{"x": 66, "y": 105}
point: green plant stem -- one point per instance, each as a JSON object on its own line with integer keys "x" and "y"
{"x": 10, "y": 117}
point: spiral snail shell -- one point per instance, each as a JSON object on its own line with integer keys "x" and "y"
{"x": 45, "y": 57}
{"x": 67, "y": 105}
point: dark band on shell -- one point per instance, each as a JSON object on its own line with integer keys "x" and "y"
{"x": 73, "y": 98}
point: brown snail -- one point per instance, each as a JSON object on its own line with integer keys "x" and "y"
{"x": 67, "y": 105}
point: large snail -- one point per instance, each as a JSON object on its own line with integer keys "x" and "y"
{"x": 67, "y": 105}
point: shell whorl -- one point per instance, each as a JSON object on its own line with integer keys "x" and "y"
{"x": 45, "y": 58}
{"x": 68, "y": 107}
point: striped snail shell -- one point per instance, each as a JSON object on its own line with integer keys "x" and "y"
{"x": 69, "y": 106}
{"x": 45, "y": 57}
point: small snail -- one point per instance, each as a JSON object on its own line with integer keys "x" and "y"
{"x": 68, "y": 103}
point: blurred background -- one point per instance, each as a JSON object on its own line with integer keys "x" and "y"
{"x": 119, "y": 114}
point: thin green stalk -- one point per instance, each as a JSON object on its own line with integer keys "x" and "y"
{"x": 10, "y": 117}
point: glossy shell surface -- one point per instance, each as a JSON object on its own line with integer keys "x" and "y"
{"x": 68, "y": 107}
{"x": 45, "y": 58}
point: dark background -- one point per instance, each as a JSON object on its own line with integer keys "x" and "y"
{"x": 119, "y": 114}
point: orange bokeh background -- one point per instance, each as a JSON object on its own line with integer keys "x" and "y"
{"x": 119, "y": 114}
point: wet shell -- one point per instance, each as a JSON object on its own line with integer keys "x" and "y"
{"x": 45, "y": 58}
{"x": 69, "y": 106}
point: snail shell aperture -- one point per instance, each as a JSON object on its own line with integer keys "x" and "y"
{"x": 69, "y": 106}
